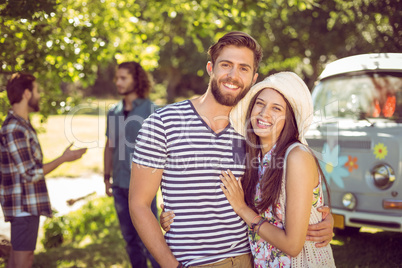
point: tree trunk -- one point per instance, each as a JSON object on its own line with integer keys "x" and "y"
{"x": 173, "y": 77}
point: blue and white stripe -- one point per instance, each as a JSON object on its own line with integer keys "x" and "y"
{"x": 176, "y": 139}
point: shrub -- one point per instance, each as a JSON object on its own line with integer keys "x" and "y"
{"x": 94, "y": 220}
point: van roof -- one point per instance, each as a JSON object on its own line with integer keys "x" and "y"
{"x": 369, "y": 62}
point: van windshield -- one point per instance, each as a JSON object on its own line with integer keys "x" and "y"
{"x": 360, "y": 96}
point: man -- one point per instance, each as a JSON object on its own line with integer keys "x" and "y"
{"x": 184, "y": 147}
{"x": 23, "y": 193}
{"x": 124, "y": 121}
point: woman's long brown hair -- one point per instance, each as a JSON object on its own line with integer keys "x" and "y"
{"x": 272, "y": 178}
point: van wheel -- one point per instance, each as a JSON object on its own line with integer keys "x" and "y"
{"x": 348, "y": 231}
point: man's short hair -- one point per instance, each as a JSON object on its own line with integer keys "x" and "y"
{"x": 17, "y": 84}
{"x": 238, "y": 39}
{"x": 142, "y": 80}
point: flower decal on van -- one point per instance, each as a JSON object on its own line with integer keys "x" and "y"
{"x": 380, "y": 151}
{"x": 352, "y": 163}
{"x": 333, "y": 165}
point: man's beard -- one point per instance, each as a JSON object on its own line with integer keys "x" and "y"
{"x": 127, "y": 92}
{"x": 226, "y": 100}
{"x": 34, "y": 104}
{"x": 131, "y": 89}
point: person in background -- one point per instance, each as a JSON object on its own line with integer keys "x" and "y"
{"x": 183, "y": 147}
{"x": 23, "y": 192}
{"x": 124, "y": 120}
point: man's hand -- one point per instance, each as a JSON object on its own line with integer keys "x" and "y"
{"x": 72, "y": 155}
{"x": 67, "y": 156}
{"x": 321, "y": 232}
{"x": 108, "y": 186}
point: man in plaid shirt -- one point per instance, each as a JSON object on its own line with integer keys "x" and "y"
{"x": 23, "y": 192}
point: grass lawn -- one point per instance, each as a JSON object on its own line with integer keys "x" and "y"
{"x": 369, "y": 248}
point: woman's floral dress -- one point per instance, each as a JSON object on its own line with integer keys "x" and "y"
{"x": 265, "y": 254}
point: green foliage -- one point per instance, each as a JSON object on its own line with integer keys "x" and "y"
{"x": 66, "y": 42}
{"x": 158, "y": 94}
{"x": 88, "y": 237}
{"x": 93, "y": 221}
{"x": 377, "y": 24}
{"x": 4, "y": 105}
{"x": 25, "y": 8}
{"x": 54, "y": 236}
{"x": 70, "y": 41}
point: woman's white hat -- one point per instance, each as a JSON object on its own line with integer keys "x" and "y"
{"x": 293, "y": 88}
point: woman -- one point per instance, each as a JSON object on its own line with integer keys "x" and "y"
{"x": 283, "y": 179}
{"x": 281, "y": 173}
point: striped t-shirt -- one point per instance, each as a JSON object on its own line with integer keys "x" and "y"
{"x": 176, "y": 139}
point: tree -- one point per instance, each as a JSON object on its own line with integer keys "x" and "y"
{"x": 68, "y": 41}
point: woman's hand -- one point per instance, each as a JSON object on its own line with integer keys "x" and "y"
{"x": 233, "y": 191}
{"x": 166, "y": 218}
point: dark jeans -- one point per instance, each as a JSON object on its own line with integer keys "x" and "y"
{"x": 136, "y": 250}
